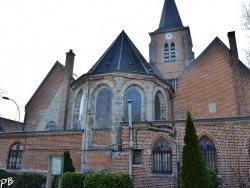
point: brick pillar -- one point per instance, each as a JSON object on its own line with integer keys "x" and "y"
{"x": 69, "y": 64}
{"x": 237, "y": 74}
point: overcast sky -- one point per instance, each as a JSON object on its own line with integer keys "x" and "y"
{"x": 36, "y": 33}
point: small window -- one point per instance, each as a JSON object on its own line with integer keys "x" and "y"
{"x": 137, "y": 156}
{"x": 51, "y": 126}
{"x": 172, "y": 51}
{"x": 208, "y": 152}
{"x": 166, "y": 52}
{"x": 15, "y": 157}
{"x": 162, "y": 157}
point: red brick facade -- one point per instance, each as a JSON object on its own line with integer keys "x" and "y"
{"x": 214, "y": 87}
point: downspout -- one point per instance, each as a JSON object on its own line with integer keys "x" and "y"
{"x": 131, "y": 142}
{"x": 85, "y": 144}
{"x": 172, "y": 133}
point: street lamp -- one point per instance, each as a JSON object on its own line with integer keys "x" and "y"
{"x": 7, "y": 98}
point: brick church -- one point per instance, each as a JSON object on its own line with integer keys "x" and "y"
{"x": 127, "y": 114}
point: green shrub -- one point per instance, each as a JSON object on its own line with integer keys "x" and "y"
{"x": 73, "y": 180}
{"x": 22, "y": 180}
{"x": 29, "y": 180}
{"x": 70, "y": 179}
{"x": 68, "y": 163}
{"x": 193, "y": 170}
{"x": 107, "y": 180}
{"x": 215, "y": 181}
{"x": 2, "y": 171}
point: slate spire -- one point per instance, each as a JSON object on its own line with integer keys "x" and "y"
{"x": 170, "y": 17}
{"x": 122, "y": 55}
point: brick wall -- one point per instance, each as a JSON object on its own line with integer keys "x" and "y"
{"x": 43, "y": 97}
{"x": 230, "y": 137}
{"x": 246, "y": 88}
{"x": 39, "y": 146}
{"x": 209, "y": 81}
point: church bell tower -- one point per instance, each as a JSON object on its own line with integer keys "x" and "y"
{"x": 170, "y": 49}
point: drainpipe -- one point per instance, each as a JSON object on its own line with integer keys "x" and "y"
{"x": 172, "y": 133}
{"x": 131, "y": 142}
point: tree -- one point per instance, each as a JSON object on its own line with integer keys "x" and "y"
{"x": 68, "y": 164}
{"x": 246, "y": 24}
{"x": 193, "y": 170}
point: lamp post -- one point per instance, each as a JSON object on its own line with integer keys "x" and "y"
{"x": 7, "y": 98}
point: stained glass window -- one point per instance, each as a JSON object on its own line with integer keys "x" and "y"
{"x": 134, "y": 95}
{"x": 103, "y": 109}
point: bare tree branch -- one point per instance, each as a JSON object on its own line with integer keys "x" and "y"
{"x": 246, "y": 16}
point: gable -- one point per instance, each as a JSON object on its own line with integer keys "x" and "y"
{"x": 209, "y": 81}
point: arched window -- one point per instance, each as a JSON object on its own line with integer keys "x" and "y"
{"x": 162, "y": 157}
{"x": 208, "y": 152}
{"x": 166, "y": 52}
{"x": 134, "y": 95}
{"x": 15, "y": 156}
{"x": 160, "y": 106}
{"x": 77, "y": 110}
{"x": 172, "y": 51}
{"x": 103, "y": 109}
{"x": 51, "y": 126}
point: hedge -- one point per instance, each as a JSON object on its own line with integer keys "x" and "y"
{"x": 22, "y": 180}
{"x": 70, "y": 179}
{"x": 95, "y": 180}
{"x": 107, "y": 180}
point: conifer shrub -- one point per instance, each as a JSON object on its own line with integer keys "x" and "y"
{"x": 68, "y": 163}
{"x": 67, "y": 167}
{"x": 193, "y": 170}
{"x": 107, "y": 180}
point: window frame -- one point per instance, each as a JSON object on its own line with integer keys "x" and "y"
{"x": 97, "y": 115}
{"x": 208, "y": 152}
{"x": 169, "y": 51}
{"x": 137, "y": 157}
{"x": 163, "y": 165}
{"x": 126, "y": 98}
{"x": 160, "y": 106}
{"x": 15, "y": 157}
{"x": 51, "y": 126}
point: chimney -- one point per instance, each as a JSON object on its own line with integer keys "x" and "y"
{"x": 64, "y": 103}
{"x": 237, "y": 74}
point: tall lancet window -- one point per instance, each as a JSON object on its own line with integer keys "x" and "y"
{"x": 208, "y": 152}
{"x": 160, "y": 106}
{"x": 103, "y": 109}
{"x": 172, "y": 51}
{"x": 134, "y": 95}
{"x": 166, "y": 52}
